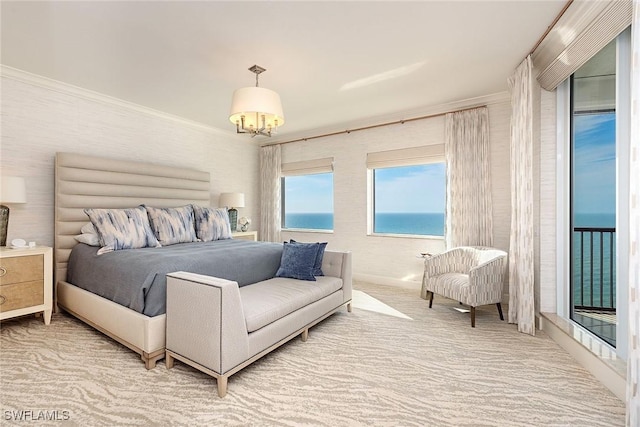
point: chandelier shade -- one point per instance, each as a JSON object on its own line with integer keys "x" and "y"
{"x": 256, "y": 110}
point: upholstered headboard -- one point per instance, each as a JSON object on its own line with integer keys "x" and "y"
{"x": 95, "y": 182}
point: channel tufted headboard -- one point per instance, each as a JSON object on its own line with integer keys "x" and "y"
{"x": 83, "y": 181}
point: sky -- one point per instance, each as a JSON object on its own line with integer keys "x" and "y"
{"x": 594, "y": 182}
{"x": 408, "y": 189}
{"x": 309, "y": 193}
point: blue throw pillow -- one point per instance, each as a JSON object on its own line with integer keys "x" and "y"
{"x": 317, "y": 265}
{"x": 298, "y": 261}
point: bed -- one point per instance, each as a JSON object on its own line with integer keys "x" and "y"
{"x": 83, "y": 181}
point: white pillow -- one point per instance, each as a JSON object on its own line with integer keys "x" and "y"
{"x": 88, "y": 228}
{"x": 89, "y": 235}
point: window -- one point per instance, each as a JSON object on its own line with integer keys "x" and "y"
{"x": 593, "y": 193}
{"x": 595, "y": 119}
{"x": 408, "y": 191}
{"x": 307, "y": 195}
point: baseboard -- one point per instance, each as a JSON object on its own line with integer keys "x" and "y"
{"x": 594, "y": 356}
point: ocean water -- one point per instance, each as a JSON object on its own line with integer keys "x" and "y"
{"x": 311, "y": 221}
{"x": 428, "y": 224}
{"x": 594, "y": 273}
{"x": 431, "y": 224}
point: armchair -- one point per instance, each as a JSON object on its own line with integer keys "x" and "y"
{"x": 473, "y": 275}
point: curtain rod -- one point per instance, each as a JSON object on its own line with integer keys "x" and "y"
{"x": 397, "y": 122}
{"x": 550, "y": 27}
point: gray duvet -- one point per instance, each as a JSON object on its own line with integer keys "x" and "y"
{"x": 136, "y": 278}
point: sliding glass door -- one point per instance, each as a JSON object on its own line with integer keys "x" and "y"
{"x": 598, "y": 150}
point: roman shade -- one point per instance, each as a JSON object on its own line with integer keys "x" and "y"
{"x": 307, "y": 167}
{"x": 582, "y": 31}
{"x": 406, "y": 156}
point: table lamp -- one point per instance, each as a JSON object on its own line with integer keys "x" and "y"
{"x": 232, "y": 201}
{"x": 12, "y": 190}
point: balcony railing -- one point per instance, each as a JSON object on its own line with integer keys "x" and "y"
{"x": 593, "y": 269}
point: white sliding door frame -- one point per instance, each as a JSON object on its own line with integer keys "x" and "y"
{"x": 563, "y": 182}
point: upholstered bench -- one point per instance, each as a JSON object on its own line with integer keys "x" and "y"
{"x": 219, "y": 328}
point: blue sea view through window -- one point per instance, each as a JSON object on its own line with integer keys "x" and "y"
{"x": 593, "y": 281}
{"x": 308, "y": 202}
{"x": 594, "y": 206}
{"x": 408, "y": 200}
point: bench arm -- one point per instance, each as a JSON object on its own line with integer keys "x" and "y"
{"x": 339, "y": 264}
{"x": 205, "y": 321}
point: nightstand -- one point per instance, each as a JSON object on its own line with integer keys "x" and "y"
{"x": 245, "y": 235}
{"x": 26, "y": 282}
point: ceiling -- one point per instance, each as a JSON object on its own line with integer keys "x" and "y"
{"x": 333, "y": 63}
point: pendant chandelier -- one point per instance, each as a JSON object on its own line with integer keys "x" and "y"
{"x": 256, "y": 110}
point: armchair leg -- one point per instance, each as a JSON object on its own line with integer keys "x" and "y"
{"x": 473, "y": 317}
{"x": 430, "y": 299}
{"x": 500, "y": 311}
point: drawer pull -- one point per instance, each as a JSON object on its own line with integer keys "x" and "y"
{"x": 2, "y": 299}
{"x": 3, "y": 271}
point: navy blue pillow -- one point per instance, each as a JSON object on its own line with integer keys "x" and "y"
{"x": 317, "y": 265}
{"x": 298, "y": 261}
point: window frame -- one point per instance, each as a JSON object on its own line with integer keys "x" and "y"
{"x": 563, "y": 212}
{"x": 305, "y": 168}
{"x": 414, "y": 156}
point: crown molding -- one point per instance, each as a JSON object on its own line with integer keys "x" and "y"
{"x": 68, "y": 89}
{"x": 432, "y": 110}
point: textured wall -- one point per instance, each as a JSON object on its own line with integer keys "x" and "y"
{"x": 393, "y": 259}
{"x": 39, "y": 120}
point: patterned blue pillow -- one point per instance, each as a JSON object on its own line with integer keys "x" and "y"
{"x": 212, "y": 223}
{"x": 172, "y": 225}
{"x": 317, "y": 266}
{"x": 122, "y": 229}
{"x": 298, "y": 261}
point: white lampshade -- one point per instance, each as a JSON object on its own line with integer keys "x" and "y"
{"x": 232, "y": 200}
{"x": 13, "y": 190}
{"x": 254, "y": 102}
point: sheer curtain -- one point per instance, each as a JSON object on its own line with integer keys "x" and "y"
{"x": 270, "y": 168}
{"x": 521, "y": 292}
{"x": 469, "y": 219}
{"x": 633, "y": 362}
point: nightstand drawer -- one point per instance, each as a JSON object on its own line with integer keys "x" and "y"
{"x": 20, "y": 295}
{"x": 21, "y": 269}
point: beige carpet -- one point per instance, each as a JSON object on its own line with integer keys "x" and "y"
{"x": 360, "y": 368}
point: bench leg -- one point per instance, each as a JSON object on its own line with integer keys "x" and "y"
{"x": 222, "y": 386}
{"x": 305, "y": 335}
{"x": 430, "y": 299}
{"x": 169, "y": 361}
{"x": 349, "y": 307}
{"x": 473, "y": 317}
{"x": 500, "y": 311}
{"x": 148, "y": 362}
